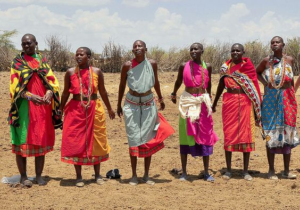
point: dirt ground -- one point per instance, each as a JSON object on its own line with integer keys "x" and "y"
{"x": 168, "y": 192}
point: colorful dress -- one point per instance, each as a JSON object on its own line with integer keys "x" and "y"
{"x": 32, "y": 126}
{"x": 240, "y": 112}
{"x": 198, "y": 137}
{"x": 84, "y": 138}
{"x": 146, "y": 128}
{"x": 279, "y": 110}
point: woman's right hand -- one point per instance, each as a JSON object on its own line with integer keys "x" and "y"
{"x": 37, "y": 100}
{"x": 213, "y": 108}
{"x": 120, "y": 111}
{"x": 173, "y": 98}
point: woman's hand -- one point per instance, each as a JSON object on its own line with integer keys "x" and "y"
{"x": 173, "y": 98}
{"x": 60, "y": 114}
{"x": 111, "y": 114}
{"x": 47, "y": 97}
{"x": 37, "y": 100}
{"x": 162, "y": 103}
{"x": 213, "y": 108}
{"x": 120, "y": 111}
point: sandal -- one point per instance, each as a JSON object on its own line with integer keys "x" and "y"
{"x": 227, "y": 176}
{"x": 27, "y": 183}
{"x": 183, "y": 177}
{"x": 272, "y": 177}
{"x": 289, "y": 176}
{"x": 247, "y": 177}
{"x": 133, "y": 181}
{"x": 100, "y": 181}
{"x": 79, "y": 183}
{"x": 209, "y": 178}
{"x": 148, "y": 181}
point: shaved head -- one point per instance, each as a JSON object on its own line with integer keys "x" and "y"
{"x": 29, "y": 35}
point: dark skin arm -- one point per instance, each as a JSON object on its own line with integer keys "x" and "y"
{"x": 209, "y": 69}
{"x": 260, "y": 69}
{"x": 221, "y": 87}
{"x": 156, "y": 84}
{"x": 291, "y": 61}
{"x": 65, "y": 94}
{"x": 103, "y": 93}
{"x": 122, "y": 86}
{"x": 178, "y": 82}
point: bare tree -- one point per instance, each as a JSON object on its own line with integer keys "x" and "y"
{"x": 7, "y": 49}
{"x": 59, "y": 56}
{"x": 113, "y": 56}
{"x": 293, "y": 49}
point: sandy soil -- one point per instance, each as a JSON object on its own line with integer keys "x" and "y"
{"x": 168, "y": 192}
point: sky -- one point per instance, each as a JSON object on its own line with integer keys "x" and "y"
{"x": 162, "y": 23}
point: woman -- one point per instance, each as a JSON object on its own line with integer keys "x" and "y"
{"x": 84, "y": 140}
{"x": 34, "y": 102}
{"x": 196, "y": 134}
{"x": 279, "y": 107}
{"x": 146, "y": 129}
{"x": 241, "y": 107}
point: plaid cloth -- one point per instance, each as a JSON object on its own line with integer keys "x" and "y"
{"x": 240, "y": 147}
{"x": 94, "y": 160}
{"x": 141, "y": 151}
{"x": 30, "y": 150}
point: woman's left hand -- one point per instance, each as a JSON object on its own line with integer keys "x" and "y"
{"x": 111, "y": 114}
{"x": 162, "y": 106}
{"x": 47, "y": 97}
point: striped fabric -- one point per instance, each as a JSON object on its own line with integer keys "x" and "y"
{"x": 142, "y": 152}
{"x": 240, "y": 147}
{"x": 94, "y": 160}
{"x": 29, "y": 150}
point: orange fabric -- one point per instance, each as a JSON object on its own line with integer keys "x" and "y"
{"x": 100, "y": 144}
{"x": 40, "y": 127}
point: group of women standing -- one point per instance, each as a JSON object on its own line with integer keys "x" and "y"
{"x": 36, "y": 110}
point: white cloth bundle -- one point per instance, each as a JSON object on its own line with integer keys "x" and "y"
{"x": 190, "y": 106}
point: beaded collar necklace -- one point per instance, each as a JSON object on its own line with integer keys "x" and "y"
{"x": 89, "y": 92}
{"x": 273, "y": 83}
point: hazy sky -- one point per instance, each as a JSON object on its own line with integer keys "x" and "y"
{"x": 164, "y": 23}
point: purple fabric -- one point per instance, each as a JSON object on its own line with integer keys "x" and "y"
{"x": 286, "y": 149}
{"x": 196, "y": 150}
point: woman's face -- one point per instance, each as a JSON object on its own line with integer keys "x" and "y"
{"x": 28, "y": 45}
{"x": 277, "y": 44}
{"x": 81, "y": 57}
{"x": 195, "y": 51}
{"x": 236, "y": 53}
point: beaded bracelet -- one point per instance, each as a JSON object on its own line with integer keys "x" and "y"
{"x": 173, "y": 96}
{"x": 27, "y": 95}
{"x": 160, "y": 100}
{"x": 49, "y": 91}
